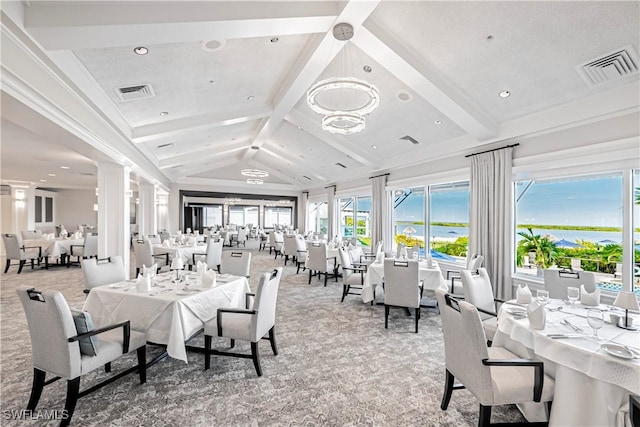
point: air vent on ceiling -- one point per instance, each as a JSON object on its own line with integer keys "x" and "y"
{"x": 162, "y": 146}
{"x": 133, "y": 93}
{"x": 83, "y": 173}
{"x": 305, "y": 176}
{"x": 610, "y": 67}
{"x": 340, "y": 164}
{"x": 410, "y": 139}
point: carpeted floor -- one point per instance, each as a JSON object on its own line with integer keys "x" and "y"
{"x": 337, "y": 366}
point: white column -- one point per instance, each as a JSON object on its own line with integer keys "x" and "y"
{"x": 113, "y": 212}
{"x": 147, "y": 219}
{"x": 627, "y": 230}
{"x": 30, "y": 194}
{"x": 163, "y": 211}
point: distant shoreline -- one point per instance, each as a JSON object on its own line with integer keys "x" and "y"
{"x": 525, "y": 226}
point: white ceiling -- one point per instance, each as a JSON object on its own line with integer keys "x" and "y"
{"x": 431, "y": 61}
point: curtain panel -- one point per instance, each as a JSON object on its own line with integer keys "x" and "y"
{"x": 491, "y": 206}
{"x": 303, "y": 216}
{"x": 380, "y": 213}
{"x": 331, "y": 212}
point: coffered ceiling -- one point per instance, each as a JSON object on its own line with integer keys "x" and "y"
{"x": 223, "y": 84}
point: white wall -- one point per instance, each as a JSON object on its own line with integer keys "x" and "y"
{"x": 75, "y": 207}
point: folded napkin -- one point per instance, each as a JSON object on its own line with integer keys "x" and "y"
{"x": 201, "y": 267}
{"x": 150, "y": 271}
{"x": 208, "y": 278}
{"x": 536, "y": 314}
{"x": 143, "y": 283}
{"x": 429, "y": 261}
{"x": 589, "y": 298}
{"x": 523, "y": 294}
{"x": 78, "y": 235}
{"x": 380, "y": 257}
{"x": 166, "y": 243}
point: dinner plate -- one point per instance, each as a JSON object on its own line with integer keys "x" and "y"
{"x": 618, "y": 351}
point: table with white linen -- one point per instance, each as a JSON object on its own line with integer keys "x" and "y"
{"x": 592, "y": 387}
{"x": 54, "y": 247}
{"x": 431, "y": 278}
{"x": 168, "y": 314}
{"x": 183, "y": 251}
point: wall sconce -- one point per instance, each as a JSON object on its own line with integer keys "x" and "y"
{"x": 97, "y": 191}
{"x": 137, "y": 201}
{"x": 128, "y": 193}
{"x": 19, "y": 198}
{"x": 95, "y": 207}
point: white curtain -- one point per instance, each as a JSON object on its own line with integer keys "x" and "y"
{"x": 490, "y": 212}
{"x": 380, "y": 213}
{"x": 331, "y": 197}
{"x": 302, "y": 218}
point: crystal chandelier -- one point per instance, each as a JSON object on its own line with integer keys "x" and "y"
{"x": 254, "y": 173}
{"x": 343, "y": 120}
{"x": 254, "y": 181}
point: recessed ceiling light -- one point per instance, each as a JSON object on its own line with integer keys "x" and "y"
{"x": 213, "y": 45}
{"x": 367, "y": 69}
{"x": 404, "y": 96}
{"x": 250, "y": 98}
{"x": 375, "y": 147}
{"x": 65, "y": 167}
{"x": 164, "y": 113}
{"x": 489, "y": 37}
{"x": 43, "y": 180}
{"x": 438, "y": 122}
{"x": 255, "y": 147}
{"x": 505, "y": 94}
{"x": 299, "y": 127}
{"x": 141, "y": 50}
{"x": 52, "y": 174}
{"x": 274, "y": 39}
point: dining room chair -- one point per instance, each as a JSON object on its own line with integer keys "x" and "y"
{"x": 352, "y": 276}
{"x": 31, "y": 234}
{"x": 402, "y": 287}
{"x": 479, "y": 292}
{"x": 319, "y": 264}
{"x": 65, "y": 344}
{"x": 98, "y": 272}
{"x": 494, "y": 375}
{"x": 556, "y": 281}
{"x": 143, "y": 251}
{"x": 212, "y": 256}
{"x": 473, "y": 264}
{"x": 276, "y": 242}
{"x": 88, "y": 249}
{"x": 236, "y": 263}
{"x": 253, "y": 323}
{"x": 241, "y": 239}
{"x": 301, "y": 253}
{"x": 225, "y": 236}
{"x": 164, "y": 235}
{"x": 290, "y": 248}
{"x": 15, "y": 251}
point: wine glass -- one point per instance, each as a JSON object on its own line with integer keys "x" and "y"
{"x": 416, "y": 256}
{"x": 542, "y": 296}
{"x": 595, "y": 319}
{"x": 573, "y": 294}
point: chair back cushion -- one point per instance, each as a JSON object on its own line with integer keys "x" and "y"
{"x": 84, "y": 324}
{"x": 345, "y": 262}
{"x": 401, "y": 283}
{"x": 465, "y": 345}
{"x": 478, "y": 290}
{"x": 290, "y": 245}
{"x": 475, "y": 262}
{"x": 154, "y": 239}
{"x": 214, "y": 253}
{"x": 12, "y": 247}
{"x": 50, "y": 326}
{"x": 242, "y": 234}
{"x": 31, "y": 234}
{"x": 355, "y": 254}
{"x": 236, "y": 263}
{"x": 265, "y": 304}
{"x": 90, "y": 245}
{"x": 103, "y": 272}
{"x": 317, "y": 257}
{"x": 557, "y": 281}
{"x": 144, "y": 252}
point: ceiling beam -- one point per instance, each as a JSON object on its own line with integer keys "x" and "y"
{"x": 280, "y": 175}
{"x": 424, "y": 80}
{"x": 201, "y": 155}
{"x": 295, "y": 164}
{"x": 355, "y": 13}
{"x": 208, "y": 166}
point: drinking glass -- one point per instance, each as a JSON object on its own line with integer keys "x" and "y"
{"x": 595, "y": 319}
{"x": 416, "y": 256}
{"x": 542, "y": 296}
{"x": 573, "y": 294}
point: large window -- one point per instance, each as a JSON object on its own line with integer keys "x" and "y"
{"x": 277, "y": 216}
{"x": 573, "y": 222}
{"x": 212, "y": 216}
{"x": 318, "y": 217}
{"x": 409, "y": 214}
{"x": 636, "y": 230}
{"x": 449, "y": 220}
{"x": 355, "y": 219}
{"x": 243, "y": 215}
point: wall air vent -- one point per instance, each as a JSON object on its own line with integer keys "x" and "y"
{"x": 133, "y": 93}
{"x": 410, "y": 139}
{"x": 610, "y": 67}
{"x": 340, "y": 164}
{"x": 163, "y": 146}
{"x": 305, "y": 176}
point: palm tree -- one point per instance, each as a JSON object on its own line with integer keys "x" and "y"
{"x": 637, "y": 195}
{"x": 544, "y": 248}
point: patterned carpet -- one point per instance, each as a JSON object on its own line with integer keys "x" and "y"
{"x": 337, "y": 366}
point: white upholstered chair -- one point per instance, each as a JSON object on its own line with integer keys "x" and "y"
{"x": 31, "y": 234}
{"x": 402, "y": 287}
{"x": 473, "y": 264}
{"x": 494, "y": 375}
{"x": 88, "y": 249}
{"x": 242, "y": 237}
{"x": 251, "y": 324}
{"x": 236, "y": 263}
{"x": 98, "y": 272}
{"x": 301, "y": 253}
{"x": 352, "y": 276}
{"x": 289, "y": 248}
{"x": 15, "y": 250}
{"x": 144, "y": 254}
{"x": 479, "y": 292}
{"x": 276, "y": 242}
{"x": 212, "y": 257}
{"x": 68, "y": 347}
{"x": 319, "y": 264}
{"x": 557, "y": 281}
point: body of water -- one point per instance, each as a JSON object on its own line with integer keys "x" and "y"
{"x": 570, "y": 235}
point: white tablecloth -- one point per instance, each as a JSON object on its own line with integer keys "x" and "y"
{"x": 592, "y": 387}
{"x": 164, "y": 315}
{"x": 185, "y": 252}
{"x": 54, "y": 248}
{"x": 431, "y": 277}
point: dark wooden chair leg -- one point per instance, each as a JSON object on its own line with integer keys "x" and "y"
{"x": 73, "y": 389}
{"x": 233, "y": 343}
{"x": 309, "y": 276}
{"x": 326, "y": 277}
{"x": 298, "y": 270}
{"x": 6, "y": 266}
{"x": 36, "y": 388}
{"x": 448, "y": 389}
{"x": 417, "y": 318}
{"x": 386, "y": 316}
{"x": 137, "y": 272}
{"x": 142, "y": 363}
{"x": 344, "y": 292}
{"x": 485, "y": 416}
{"x": 107, "y": 367}
{"x": 272, "y": 339}
{"x": 207, "y": 352}
{"x": 22, "y": 263}
{"x": 255, "y": 355}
